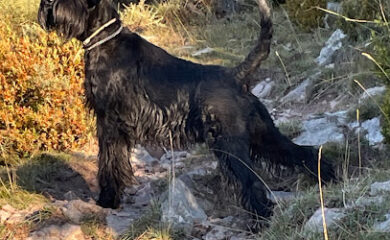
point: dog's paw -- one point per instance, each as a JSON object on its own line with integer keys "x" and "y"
{"x": 108, "y": 199}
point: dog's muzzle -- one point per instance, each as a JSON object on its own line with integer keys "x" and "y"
{"x": 45, "y": 14}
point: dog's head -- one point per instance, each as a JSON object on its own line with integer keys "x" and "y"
{"x": 75, "y": 18}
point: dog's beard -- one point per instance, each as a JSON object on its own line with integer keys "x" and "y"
{"x": 67, "y": 17}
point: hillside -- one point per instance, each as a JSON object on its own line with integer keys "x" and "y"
{"x": 324, "y": 85}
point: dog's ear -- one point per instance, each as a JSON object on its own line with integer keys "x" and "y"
{"x": 92, "y": 3}
{"x": 70, "y": 17}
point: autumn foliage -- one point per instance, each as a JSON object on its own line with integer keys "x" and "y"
{"x": 41, "y": 93}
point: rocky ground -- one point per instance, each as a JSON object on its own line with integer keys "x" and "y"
{"x": 181, "y": 195}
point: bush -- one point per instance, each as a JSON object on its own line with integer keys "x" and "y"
{"x": 367, "y": 10}
{"x": 41, "y": 93}
{"x": 305, "y": 14}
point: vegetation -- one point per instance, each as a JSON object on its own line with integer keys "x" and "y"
{"x": 41, "y": 102}
{"x": 305, "y": 14}
{"x": 41, "y": 94}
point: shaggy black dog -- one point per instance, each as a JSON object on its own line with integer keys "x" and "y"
{"x": 143, "y": 95}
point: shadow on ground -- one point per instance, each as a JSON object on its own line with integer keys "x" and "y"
{"x": 59, "y": 177}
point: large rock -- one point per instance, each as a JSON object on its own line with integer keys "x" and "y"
{"x": 302, "y": 92}
{"x": 380, "y": 187}
{"x": 181, "y": 208}
{"x": 371, "y": 92}
{"x": 333, "y": 44}
{"x": 58, "y": 232}
{"x": 320, "y": 130}
{"x": 332, "y": 216}
{"x": 77, "y": 210}
{"x": 263, "y": 89}
{"x": 373, "y": 128}
{"x": 383, "y": 226}
{"x": 119, "y": 221}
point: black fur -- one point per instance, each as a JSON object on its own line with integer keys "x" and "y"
{"x": 142, "y": 95}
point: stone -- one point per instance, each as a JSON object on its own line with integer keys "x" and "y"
{"x": 334, "y": 7}
{"x": 202, "y": 51}
{"x": 373, "y": 128}
{"x": 58, "y": 232}
{"x": 70, "y": 196}
{"x": 320, "y": 130}
{"x": 330, "y": 19}
{"x": 119, "y": 221}
{"x": 263, "y": 89}
{"x": 379, "y": 187}
{"x": 143, "y": 195}
{"x": 76, "y": 210}
{"x": 299, "y": 93}
{"x": 370, "y": 201}
{"x": 374, "y": 91}
{"x": 181, "y": 208}
{"x": 140, "y": 158}
{"x": 383, "y": 226}
{"x": 333, "y": 44}
{"x": 218, "y": 233}
{"x": 332, "y": 216}
{"x": 303, "y": 91}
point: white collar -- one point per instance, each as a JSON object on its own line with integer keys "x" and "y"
{"x": 88, "y": 39}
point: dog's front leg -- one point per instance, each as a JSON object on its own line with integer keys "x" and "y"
{"x": 115, "y": 171}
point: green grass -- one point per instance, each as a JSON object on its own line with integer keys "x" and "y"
{"x": 288, "y": 221}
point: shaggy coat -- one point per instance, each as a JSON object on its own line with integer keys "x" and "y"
{"x": 143, "y": 95}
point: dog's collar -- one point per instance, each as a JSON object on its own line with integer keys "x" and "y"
{"x": 88, "y": 39}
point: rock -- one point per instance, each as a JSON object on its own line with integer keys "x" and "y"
{"x": 143, "y": 195}
{"x": 180, "y": 207}
{"x": 56, "y": 232}
{"x": 140, "y": 158}
{"x": 203, "y": 51}
{"x": 370, "y": 201}
{"x": 333, "y": 44}
{"x": 70, "y": 196}
{"x": 302, "y": 91}
{"x": 218, "y": 233}
{"x": 383, "y": 226}
{"x": 9, "y": 215}
{"x": 299, "y": 93}
{"x": 263, "y": 89}
{"x": 373, "y": 128}
{"x": 334, "y": 7}
{"x": 6, "y": 212}
{"x": 379, "y": 187}
{"x": 321, "y": 130}
{"x": 332, "y": 215}
{"x": 16, "y": 218}
{"x": 119, "y": 221}
{"x": 374, "y": 91}
{"x": 329, "y": 19}
{"x": 76, "y": 210}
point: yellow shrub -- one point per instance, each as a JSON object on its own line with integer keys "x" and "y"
{"x": 41, "y": 94}
{"x": 304, "y": 13}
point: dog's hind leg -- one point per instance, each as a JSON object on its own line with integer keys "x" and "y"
{"x": 233, "y": 156}
{"x": 225, "y": 124}
{"x": 115, "y": 171}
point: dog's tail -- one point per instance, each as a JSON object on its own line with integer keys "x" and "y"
{"x": 261, "y": 51}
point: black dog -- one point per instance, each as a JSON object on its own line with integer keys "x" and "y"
{"x": 142, "y": 95}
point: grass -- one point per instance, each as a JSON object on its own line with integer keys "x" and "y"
{"x": 149, "y": 226}
{"x": 231, "y": 39}
{"x": 289, "y": 220}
